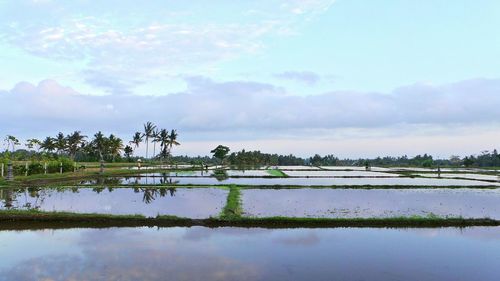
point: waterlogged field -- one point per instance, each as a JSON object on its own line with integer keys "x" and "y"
{"x": 150, "y": 202}
{"x": 200, "y": 253}
{"x": 292, "y": 181}
{"x": 339, "y": 173}
{"x": 372, "y": 203}
{"x": 463, "y": 176}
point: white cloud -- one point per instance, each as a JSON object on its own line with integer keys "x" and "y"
{"x": 117, "y": 42}
{"x": 250, "y": 110}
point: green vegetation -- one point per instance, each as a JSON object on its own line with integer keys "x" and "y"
{"x": 66, "y": 219}
{"x": 233, "y": 209}
{"x": 277, "y": 173}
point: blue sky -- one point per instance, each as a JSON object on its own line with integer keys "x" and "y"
{"x": 352, "y": 78}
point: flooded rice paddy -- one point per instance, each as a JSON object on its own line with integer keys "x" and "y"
{"x": 324, "y": 181}
{"x": 372, "y": 203}
{"x": 200, "y": 253}
{"x": 150, "y": 202}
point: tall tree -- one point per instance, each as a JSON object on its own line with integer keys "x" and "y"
{"x": 115, "y": 146}
{"x": 128, "y": 151}
{"x": 220, "y": 152}
{"x": 11, "y": 142}
{"x": 156, "y": 138}
{"x": 136, "y": 139}
{"x": 74, "y": 143}
{"x": 48, "y": 145}
{"x": 148, "y": 132}
{"x": 60, "y": 143}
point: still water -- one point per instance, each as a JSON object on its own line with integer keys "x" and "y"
{"x": 193, "y": 203}
{"x": 199, "y": 253}
{"x": 362, "y": 203}
{"x": 396, "y": 181}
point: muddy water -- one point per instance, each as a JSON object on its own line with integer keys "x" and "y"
{"x": 356, "y": 203}
{"x": 199, "y": 253}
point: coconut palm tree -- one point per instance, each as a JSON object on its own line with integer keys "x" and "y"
{"x": 11, "y": 141}
{"x": 156, "y": 138}
{"x": 74, "y": 143}
{"x": 60, "y": 143}
{"x": 172, "y": 140}
{"x": 148, "y": 132}
{"x": 128, "y": 150}
{"x": 136, "y": 139}
{"x": 164, "y": 143}
{"x": 48, "y": 145}
{"x": 98, "y": 144}
{"x": 115, "y": 145}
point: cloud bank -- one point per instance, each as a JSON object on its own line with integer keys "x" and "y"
{"x": 260, "y": 109}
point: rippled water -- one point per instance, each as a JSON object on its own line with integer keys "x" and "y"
{"x": 199, "y": 253}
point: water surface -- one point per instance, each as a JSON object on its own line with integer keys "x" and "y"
{"x": 199, "y": 253}
{"x": 365, "y": 203}
{"x": 192, "y": 203}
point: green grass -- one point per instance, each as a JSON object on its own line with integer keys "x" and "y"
{"x": 233, "y": 209}
{"x": 276, "y": 173}
{"x": 24, "y": 219}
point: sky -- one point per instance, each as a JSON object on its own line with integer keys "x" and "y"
{"x": 347, "y": 77}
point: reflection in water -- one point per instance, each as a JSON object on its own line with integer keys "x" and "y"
{"x": 395, "y": 181}
{"x": 220, "y": 174}
{"x": 251, "y": 254}
{"x": 355, "y": 203}
{"x": 195, "y": 203}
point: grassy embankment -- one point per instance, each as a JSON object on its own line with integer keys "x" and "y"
{"x": 231, "y": 215}
{"x": 277, "y": 173}
{"x": 16, "y": 219}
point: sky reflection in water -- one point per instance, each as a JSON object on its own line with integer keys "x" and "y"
{"x": 199, "y": 253}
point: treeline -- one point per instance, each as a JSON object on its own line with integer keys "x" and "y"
{"x": 257, "y": 158}
{"x": 81, "y": 148}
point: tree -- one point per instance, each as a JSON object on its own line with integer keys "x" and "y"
{"x": 60, "y": 143}
{"x": 48, "y": 145}
{"x": 156, "y": 138}
{"x": 148, "y": 132}
{"x": 220, "y": 152}
{"x": 172, "y": 140}
{"x": 74, "y": 143}
{"x": 98, "y": 145}
{"x": 164, "y": 143}
{"x": 11, "y": 141}
{"x": 33, "y": 143}
{"x": 128, "y": 152}
{"x": 114, "y": 145}
{"x": 136, "y": 139}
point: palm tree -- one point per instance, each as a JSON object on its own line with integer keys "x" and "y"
{"x": 11, "y": 141}
{"x": 137, "y": 139}
{"x": 98, "y": 144}
{"x": 156, "y": 138}
{"x": 74, "y": 143}
{"x": 32, "y": 143}
{"x": 128, "y": 150}
{"x": 148, "y": 132}
{"x": 48, "y": 145}
{"x": 164, "y": 142}
{"x": 172, "y": 140}
{"x": 60, "y": 143}
{"x": 115, "y": 145}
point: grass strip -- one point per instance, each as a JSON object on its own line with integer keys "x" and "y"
{"x": 20, "y": 219}
{"x": 276, "y": 173}
{"x": 232, "y": 210}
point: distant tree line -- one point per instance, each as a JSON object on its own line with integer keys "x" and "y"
{"x": 257, "y": 158}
